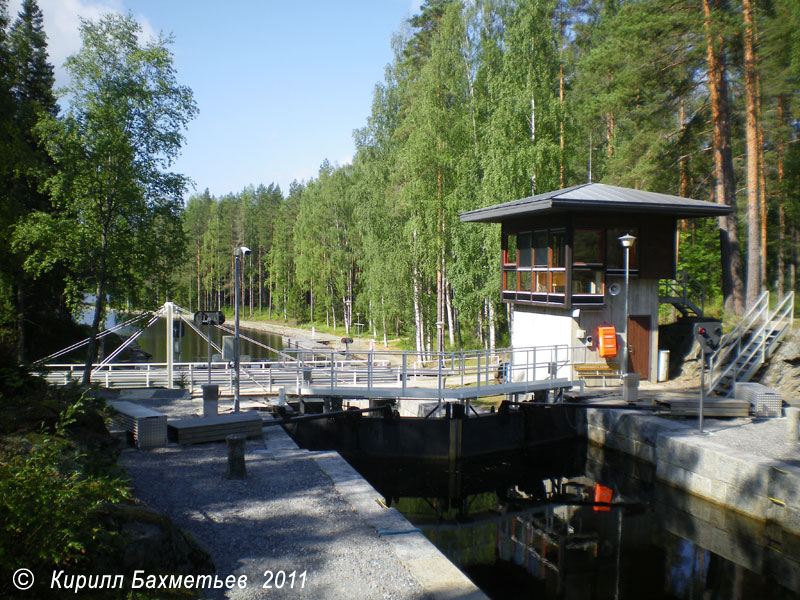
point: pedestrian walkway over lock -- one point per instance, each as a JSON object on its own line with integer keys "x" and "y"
{"x": 330, "y": 372}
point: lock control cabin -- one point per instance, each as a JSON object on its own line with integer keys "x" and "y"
{"x": 564, "y": 267}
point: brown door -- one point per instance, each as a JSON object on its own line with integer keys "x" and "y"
{"x": 639, "y": 345}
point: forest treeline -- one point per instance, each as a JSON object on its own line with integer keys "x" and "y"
{"x": 485, "y": 101}
{"x": 490, "y": 101}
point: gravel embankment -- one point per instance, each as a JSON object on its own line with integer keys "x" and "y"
{"x": 286, "y": 516}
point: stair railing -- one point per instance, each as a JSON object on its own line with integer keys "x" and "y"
{"x": 685, "y": 290}
{"x": 730, "y": 345}
{"x": 759, "y": 346}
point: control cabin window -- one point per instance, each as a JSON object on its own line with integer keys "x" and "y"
{"x": 539, "y": 275}
{"x": 535, "y": 264}
{"x": 587, "y": 266}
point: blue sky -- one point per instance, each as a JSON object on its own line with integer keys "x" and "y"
{"x": 280, "y": 85}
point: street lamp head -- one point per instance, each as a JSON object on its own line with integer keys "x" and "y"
{"x": 242, "y": 251}
{"x": 627, "y": 240}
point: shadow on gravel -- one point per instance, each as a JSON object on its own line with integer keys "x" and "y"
{"x": 283, "y": 520}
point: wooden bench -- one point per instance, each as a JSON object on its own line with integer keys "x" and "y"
{"x": 602, "y": 371}
{"x": 148, "y": 427}
{"x": 196, "y": 430}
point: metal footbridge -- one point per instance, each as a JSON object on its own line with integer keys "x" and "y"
{"x": 331, "y": 373}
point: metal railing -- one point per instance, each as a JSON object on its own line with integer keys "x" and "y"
{"x": 751, "y": 342}
{"x": 684, "y": 291}
{"x": 483, "y": 371}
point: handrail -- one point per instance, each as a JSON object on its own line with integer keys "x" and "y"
{"x": 759, "y": 342}
{"x": 732, "y": 340}
{"x": 686, "y": 289}
{"x": 482, "y": 369}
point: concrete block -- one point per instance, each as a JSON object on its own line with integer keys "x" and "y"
{"x": 782, "y": 568}
{"x": 623, "y": 444}
{"x": 698, "y": 484}
{"x": 726, "y": 544}
{"x": 727, "y": 470}
{"x": 718, "y": 492}
{"x": 787, "y": 517}
{"x": 753, "y": 479}
{"x": 625, "y": 425}
{"x": 748, "y": 503}
{"x": 441, "y": 579}
{"x": 784, "y": 486}
{"x": 684, "y": 455}
{"x": 645, "y": 451}
{"x": 672, "y": 474}
{"x": 597, "y": 434}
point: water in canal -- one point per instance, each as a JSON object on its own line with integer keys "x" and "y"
{"x": 190, "y": 347}
{"x": 530, "y": 525}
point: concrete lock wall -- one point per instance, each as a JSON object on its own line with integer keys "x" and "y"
{"x": 762, "y": 488}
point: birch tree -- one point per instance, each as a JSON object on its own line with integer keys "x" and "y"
{"x": 120, "y": 134}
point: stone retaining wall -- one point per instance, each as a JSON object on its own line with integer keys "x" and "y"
{"x": 762, "y": 488}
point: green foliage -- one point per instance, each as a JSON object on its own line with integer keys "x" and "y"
{"x": 114, "y": 224}
{"x": 47, "y": 500}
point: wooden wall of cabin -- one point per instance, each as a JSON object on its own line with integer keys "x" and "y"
{"x": 656, "y": 243}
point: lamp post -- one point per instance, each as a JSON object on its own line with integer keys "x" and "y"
{"x": 627, "y": 241}
{"x": 238, "y": 254}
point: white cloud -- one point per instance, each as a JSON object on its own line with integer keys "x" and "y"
{"x": 61, "y": 20}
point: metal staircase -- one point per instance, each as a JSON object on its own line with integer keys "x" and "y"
{"x": 685, "y": 293}
{"x": 752, "y": 341}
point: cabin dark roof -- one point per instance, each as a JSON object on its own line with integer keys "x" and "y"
{"x": 596, "y": 197}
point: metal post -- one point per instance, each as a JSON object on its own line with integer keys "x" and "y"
{"x": 439, "y": 375}
{"x": 170, "y": 342}
{"x": 625, "y": 314}
{"x": 369, "y": 370}
{"x": 702, "y": 389}
{"x": 627, "y": 241}
{"x": 237, "y": 264}
{"x": 405, "y": 372}
{"x": 209, "y": 352}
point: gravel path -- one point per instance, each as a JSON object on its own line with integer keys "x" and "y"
{"x": 286, "y": 516}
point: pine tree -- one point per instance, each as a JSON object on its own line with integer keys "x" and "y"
{"x": 30, "y": 82}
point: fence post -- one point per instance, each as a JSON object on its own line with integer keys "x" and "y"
{"x": 405, "y": 372}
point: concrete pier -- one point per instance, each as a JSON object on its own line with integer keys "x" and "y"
{"x": 745, "y": 464}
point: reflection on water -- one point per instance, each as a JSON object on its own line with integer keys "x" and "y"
{"x": 531, "y": 525}
{"x": 151, "y": 345}
{"x": 192, "y": 347}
